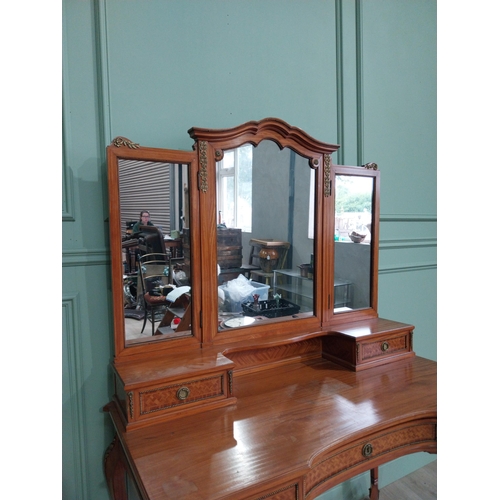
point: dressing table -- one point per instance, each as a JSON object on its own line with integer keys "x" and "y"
{"x": 265, "y": 406}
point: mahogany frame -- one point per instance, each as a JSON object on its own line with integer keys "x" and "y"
{"x": 122, "y": 148}
{"x": 211, "y": 145}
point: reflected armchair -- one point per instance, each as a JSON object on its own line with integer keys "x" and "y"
{"x": 153, "y": 286}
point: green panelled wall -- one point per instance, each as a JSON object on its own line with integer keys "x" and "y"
{"x": 358, "y": 73}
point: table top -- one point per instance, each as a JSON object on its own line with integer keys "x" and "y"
{"x": 296, "y": 274}
{"x": 284, "y": 419}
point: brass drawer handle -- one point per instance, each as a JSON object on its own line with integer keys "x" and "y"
{"x": 384, "y": 346}
{"x": 367, "y": 450}
{"x": 183, "y": 393}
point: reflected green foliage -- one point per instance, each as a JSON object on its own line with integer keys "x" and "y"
{"x": 349, "y": 199}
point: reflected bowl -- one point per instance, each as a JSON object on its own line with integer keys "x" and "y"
{"x": 356, "y": 237}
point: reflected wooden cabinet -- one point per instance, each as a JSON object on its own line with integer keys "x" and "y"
{"x": 246, "y": 389}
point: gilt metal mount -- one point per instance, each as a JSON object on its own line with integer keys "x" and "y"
{"x": 327, "y": 173}
{"x": 203, "y": 175}
{"x": 123, "y": 141}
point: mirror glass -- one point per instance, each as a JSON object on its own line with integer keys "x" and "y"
{"x": 265, "y": 235}
{"x": 353, "y": 243}
{"x": 154, "y": 218}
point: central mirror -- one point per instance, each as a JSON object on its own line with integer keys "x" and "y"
{"x": 265, "y": 235}
{"x": 264, "y": 186}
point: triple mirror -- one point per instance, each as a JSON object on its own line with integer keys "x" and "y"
{"x": 253, "y": 228}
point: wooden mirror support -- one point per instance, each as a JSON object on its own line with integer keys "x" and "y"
{"x": 251, "y": 398}
{"x": 144, "y": 255}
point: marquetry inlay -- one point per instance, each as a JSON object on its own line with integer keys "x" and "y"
{"x": 374, "y": 349}
{"x": 162, "y": 398}
{"x": 379, "y": 445}
{"x": 131, "y": 403}
{"x": 268, "y": 356}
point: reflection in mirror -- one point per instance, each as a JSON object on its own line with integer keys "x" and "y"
{"x": 353, "y": 222}
{"x": 265, "y": 235}
{"x": 154, "y": 218}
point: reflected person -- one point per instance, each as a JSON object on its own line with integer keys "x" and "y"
{"x": 143, "y": 221}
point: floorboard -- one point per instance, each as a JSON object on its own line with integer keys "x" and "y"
{"x": 419, "y": 485}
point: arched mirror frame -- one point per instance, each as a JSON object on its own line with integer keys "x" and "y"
{"x": 122, "y": 148}
{"x": 210, "y": 145}
{"x": 331, "y": 319}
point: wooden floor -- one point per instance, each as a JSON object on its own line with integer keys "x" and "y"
{"x": 420, "y": 485}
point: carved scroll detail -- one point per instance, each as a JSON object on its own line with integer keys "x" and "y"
{"x": 328, "y": 183}
{"x": 109, "y": 449}
{"x": 123, "y": 141}
{"x": 370, "y": 166}
{"x": 203, "y": 181}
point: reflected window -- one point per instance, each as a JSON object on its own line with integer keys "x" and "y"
{"x": 234, "y": 203}
{"x": 353, "y": 249}
{"x": 353, "y": 207}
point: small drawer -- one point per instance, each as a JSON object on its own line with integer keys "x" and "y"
{"x": 361, "y": 349}
{"x": 170, "y": 396}
{"x": 372, "y": 349}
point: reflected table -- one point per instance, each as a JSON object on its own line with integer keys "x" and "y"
{"x": 299, "y": 288}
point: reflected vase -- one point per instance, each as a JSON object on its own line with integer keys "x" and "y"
{"x": 268, "y": 259}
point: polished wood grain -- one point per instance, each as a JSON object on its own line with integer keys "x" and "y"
{"x": 159, "y": 375}
{"x": 298, "y": 428}
{"x": 285, "y": 409}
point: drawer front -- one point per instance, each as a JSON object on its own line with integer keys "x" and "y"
{"x": 370, "y": 350}
{"x": 178, "y": 394}
{"x": 386, "y": 443}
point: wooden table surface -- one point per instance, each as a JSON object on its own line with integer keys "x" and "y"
{"x": 286, "y": 422}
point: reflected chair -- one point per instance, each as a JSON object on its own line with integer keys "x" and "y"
{"x": 151, "y": 240}
{"x": 154, "y": 273}
{"x": 253, "y": 260}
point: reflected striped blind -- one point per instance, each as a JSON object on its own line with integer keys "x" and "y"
{"x": 145, "y": 185}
